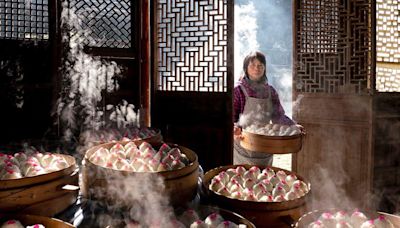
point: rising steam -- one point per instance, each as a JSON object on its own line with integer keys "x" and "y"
{"x": 245, "y": 34}
{"x": 144, "y": 194}
{"x": 85, "y": 79}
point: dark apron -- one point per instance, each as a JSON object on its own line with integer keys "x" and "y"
{"x": 256, "y": 110}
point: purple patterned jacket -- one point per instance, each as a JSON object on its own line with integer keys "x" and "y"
{"x": 278, "y": 116}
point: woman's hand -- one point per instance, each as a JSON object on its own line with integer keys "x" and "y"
{"x": 237, "y": 133}
{"x": 302, "y": 130}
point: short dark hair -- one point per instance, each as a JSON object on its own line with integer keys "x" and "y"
{"x": 250, "y": 57}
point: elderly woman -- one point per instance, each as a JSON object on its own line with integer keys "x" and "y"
{"x": 255, "y": 101}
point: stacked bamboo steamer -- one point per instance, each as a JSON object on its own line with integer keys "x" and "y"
{"x": 272, "y": 138}
{"x": 262, "y": 214}
{"x": 98, "y": 182}
{"x": 44, "y": 194}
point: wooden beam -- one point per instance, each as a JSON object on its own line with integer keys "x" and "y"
{"x": 145, "y": 52}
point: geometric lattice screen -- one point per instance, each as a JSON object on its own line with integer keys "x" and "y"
{"x": 192, "y": 42}
{"x": 388, "y": 46}
{"x": 106, "y": 23}
{"x": 387, "y": 78}
{"x": 24, "y": 20}
{"x": 318, "y": 30}
{"x": 333, "y": 40}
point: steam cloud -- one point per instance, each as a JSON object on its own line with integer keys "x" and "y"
{"x": 245, "y": 34}
{"x": 85, "y": 78}
{"x": 144, "y": 194}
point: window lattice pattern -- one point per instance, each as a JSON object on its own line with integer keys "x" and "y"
{"x": 388, "y": 31}
{"x": 107, "y": 23}
{"x": 192, "y": 45}
{"x": 24, "y": 19}
{"x": 319, "y": 28}
{"x": 388, "y": 79}
{"x": 388, "y": 45}
{"x": 343, "y": 66}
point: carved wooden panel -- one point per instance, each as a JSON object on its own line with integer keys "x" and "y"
{"x": 106, "y": 23}
{"x": 192, "y": 45}
{"x": 24, "y": 20}
{"x": 336, "y": 155}
{"x": 332, "y": 46}
{"x": 317, "y": 23}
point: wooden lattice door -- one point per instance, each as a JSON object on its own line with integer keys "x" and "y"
{"x": 332, "y": 85}
{"x": 101, "y": 63}
{"x": 193, "y": 76}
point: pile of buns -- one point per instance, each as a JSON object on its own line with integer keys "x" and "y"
{"x": 273, "y": 129}
{"x": 17, "y": 224}
{"x": 344, "y": 219}
{"x": 258, "y": 185}
{"x": 145, "y": 158}
{"x": 21, "y": 164}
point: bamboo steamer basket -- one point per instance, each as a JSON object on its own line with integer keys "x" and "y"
{"x": 46, "y": 194}
{"x": 311, "y": 216}
{"x": 204, "y": 210}
{"x": 228, "y": 215}
{"x": 180, "y": 185}
{"x": 28, "y": 220}
{"x": 272, "y": 144}
{"x": 262, "y": 214}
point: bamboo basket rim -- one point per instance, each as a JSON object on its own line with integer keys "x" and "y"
{"x": 36, "y": 219}
{"x": 253, "y": 205}
{"x": 311, "y": 216}
{"x": 28, "y": 181}
{"x": 192, "y": 156}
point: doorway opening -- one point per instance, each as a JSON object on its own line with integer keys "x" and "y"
{"x": 267, "y": 26}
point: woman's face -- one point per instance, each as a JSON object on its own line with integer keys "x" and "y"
{"x": 255, "y": 70}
